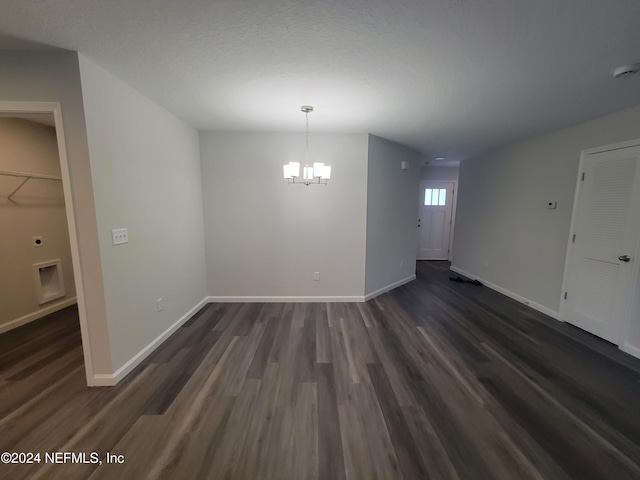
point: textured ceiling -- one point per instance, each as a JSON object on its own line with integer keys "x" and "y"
{"x": 451, "y": 78}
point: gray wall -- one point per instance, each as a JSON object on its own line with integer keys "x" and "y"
{"x": 392, "y": 213}
{"x": 145, "y": 165}
{"x": 439, "y": 174}
{"x": 37, "y": 209}
{"x": 55, "y": 77}
{"x": 504, "y": 232}
{"x": 265, "y": 238}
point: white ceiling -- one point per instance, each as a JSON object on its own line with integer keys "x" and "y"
{"x": 451, "y": 78}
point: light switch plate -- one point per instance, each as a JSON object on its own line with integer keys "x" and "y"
{"x": 120, "y": 236}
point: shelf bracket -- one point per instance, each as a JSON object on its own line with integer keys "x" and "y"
{"x": 18, "y": 188}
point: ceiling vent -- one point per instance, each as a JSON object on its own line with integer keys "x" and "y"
{"x": 626, "y": 70}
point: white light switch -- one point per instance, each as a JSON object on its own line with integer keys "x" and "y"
{"x": 120, "y": 236}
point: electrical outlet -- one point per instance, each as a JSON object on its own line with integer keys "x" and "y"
{"x": 120, "y": 236}
{"x": 36, "y": 241}
{"x": 316, "y": 276}
{"x": 160, "y": 304}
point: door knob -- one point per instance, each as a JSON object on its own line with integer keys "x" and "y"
{"x": 624, "y": 258}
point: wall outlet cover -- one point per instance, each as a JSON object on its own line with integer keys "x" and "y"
{"x": 120, "y": 236}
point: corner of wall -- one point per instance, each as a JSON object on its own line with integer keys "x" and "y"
{"x": 392, "y": 203}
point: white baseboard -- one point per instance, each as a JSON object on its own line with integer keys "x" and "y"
{"x": 37, "y": 314}
{"x": 391, "y": 286}
{"x": 630, "y": 349}
{"x": 241, "y": 299}
{"x": 109, "y": 380}
{"x": 103, "y": 380}
{"x": 510, "y": 294}
{"x": 301, "y": 299}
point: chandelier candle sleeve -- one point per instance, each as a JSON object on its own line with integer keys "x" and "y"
{"x": 318, "y": 174}
{"x": 308, "y": 173}
{"x": 292, "y": 170}
{"x": 322, "y": 171}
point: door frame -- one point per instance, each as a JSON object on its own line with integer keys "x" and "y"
{"x": 454, "y": 199}
{"x": 54, "y": 108}
{"x": 633, "y": 306}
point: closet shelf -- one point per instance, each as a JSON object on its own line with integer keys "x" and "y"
{"x": 27, "y": 177}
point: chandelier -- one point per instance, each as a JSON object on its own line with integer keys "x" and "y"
{"x": 318, "y": 174}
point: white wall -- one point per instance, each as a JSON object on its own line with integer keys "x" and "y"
{"x": 504, "y": 232}
{"x": 265, "y": 238}
{"x": 37, "y": 209}
{"x": 145, "y": 165}
{"x": 439, "y": 174}
{"x": 392, "y": 213}
{"x": 55, "y": 77}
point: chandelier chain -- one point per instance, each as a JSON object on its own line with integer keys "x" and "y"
{"x": 307, "y": 137}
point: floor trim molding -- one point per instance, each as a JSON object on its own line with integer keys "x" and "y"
{"x": 391, "y": 286}
{"x": 282, "y": 299}
{"x": 630, "y": 349}
{"x": 18, "y": 322}
{"x": 510, "y": 294}
{"x": 109, "y": 380}
{"x": 308, "y": 299}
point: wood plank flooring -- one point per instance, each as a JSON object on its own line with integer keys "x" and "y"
{"x": 434, "y": 380}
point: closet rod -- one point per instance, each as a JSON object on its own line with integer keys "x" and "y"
{"x": 27, "y": 177}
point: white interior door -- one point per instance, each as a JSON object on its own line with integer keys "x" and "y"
{"x": 606, "y": 228}
{"x": 434, "y": 222}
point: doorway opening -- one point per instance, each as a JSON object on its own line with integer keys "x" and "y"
{"x": 436, "y": 214}
{"x": 41, "y": 284}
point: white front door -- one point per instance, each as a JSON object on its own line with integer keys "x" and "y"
{"x": 436, "y": 203}
{"x": 602, "y": 254}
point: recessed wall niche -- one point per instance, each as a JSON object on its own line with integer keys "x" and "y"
{"x": 48, "y": 280}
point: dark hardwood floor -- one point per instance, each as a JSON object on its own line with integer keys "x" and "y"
{"x": 434, "y": 380}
